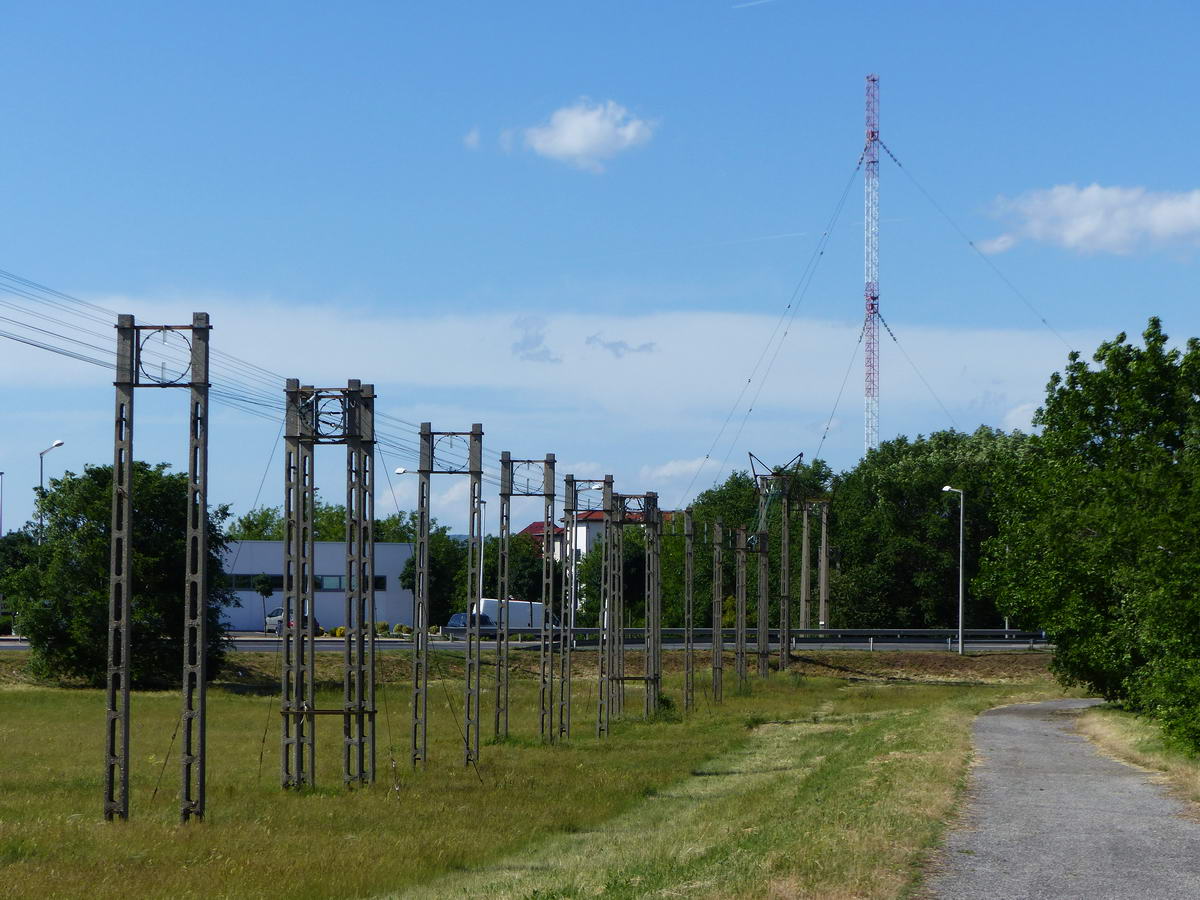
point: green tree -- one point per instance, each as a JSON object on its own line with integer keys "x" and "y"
{"x": 447, "y": 574}
{"x": 61, "y": 590}
{"x": 262, "y": 523}
{"x": 1096, "y": 543}
{"x": 894, "y": 533}
{"x": 265, "y": 523}
{"x": 524, "y": 568}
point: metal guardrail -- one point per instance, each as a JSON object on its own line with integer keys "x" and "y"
{"x": 820, "y": 635}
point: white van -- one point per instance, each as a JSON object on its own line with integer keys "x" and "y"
{"x": 523, "y": 615}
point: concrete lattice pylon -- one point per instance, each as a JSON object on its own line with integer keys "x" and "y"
{"x": 315, "y": 416}
{"x": 133, "y": 371}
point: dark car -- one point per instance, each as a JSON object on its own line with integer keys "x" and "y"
{"x": 456, "y": 628}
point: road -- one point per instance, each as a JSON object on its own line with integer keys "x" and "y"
{"x": 269, "y": 643}
{"x": 1052, "y": 818}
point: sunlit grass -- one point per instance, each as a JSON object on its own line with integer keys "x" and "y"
{"x": 1140, "y": 741}
{"x": 839, "y": 787}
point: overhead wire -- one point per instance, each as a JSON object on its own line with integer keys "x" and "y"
{"x": 924, "y": 381}
{"x": 837, "y": 400}
{"x": 802, "y": 288}
{"x": 971, "y": 243}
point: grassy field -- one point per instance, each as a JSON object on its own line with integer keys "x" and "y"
{"x": 831, "y": 781}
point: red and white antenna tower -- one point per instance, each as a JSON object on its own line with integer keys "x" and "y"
{"x": 871, "y": 265}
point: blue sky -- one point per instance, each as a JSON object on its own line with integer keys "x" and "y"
{"x": 579, "y": 223}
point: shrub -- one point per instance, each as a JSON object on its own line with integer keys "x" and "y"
{"x": 381, "y": 628}
{"x": 340, "y": 631}
{"x": 1168, "y": 688}
{"x": 399, "y": 629}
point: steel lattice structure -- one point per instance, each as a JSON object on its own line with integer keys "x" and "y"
{"x": 132, "y": 374}
{"x": 871, "y": 265}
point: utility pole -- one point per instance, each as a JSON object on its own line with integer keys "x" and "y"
{"x": 689, "y": 644}
{"x": 718, "y": 603}
{"x": 823, "y": 566}
{"x": 805, "y": 568}
{"x": 739, "y": 645}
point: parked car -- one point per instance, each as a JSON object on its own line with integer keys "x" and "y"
{"x": 273, "y": 623}
{"x": 456, "y": 628}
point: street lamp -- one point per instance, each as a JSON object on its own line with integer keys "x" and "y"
{"x": 42, "y": 487}
{"x": 962, "y": 503}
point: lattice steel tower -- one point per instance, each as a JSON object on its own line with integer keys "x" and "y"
{"x": 871, "y": 266}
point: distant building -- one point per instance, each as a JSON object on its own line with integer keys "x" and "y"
{"x": 246, "y": 560}
{"x": 536, "y": 530}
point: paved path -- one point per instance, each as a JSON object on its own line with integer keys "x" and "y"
{"x": 1051, "y": 818}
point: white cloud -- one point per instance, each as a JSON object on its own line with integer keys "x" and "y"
{"x": 586, "y": 133}
{"x": 676, "y": 468}
{"x": 1099, "y": 219}
{"x": 471, "y": 139}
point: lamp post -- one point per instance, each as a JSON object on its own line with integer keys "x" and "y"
{"x": 42, "y": 487}
{"x": 962, "y": 504}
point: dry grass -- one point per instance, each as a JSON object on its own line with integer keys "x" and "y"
{"x": 804, "y": 787}
{"x": 1139, "y": 741}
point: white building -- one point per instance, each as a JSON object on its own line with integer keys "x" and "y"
{"x": 246, "y": 560}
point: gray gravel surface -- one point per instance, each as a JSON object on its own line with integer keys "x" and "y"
{"x": 1051, "y": 818}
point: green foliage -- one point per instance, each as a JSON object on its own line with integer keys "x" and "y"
{"x": 381, "y": 629}
{"x": 60, "y": 588}
{"x": 524, "y": 569}
{"x": 895, "y": 532}
{"x": 6, "y": 624}
{"x": 447, "y": 574}
{"x": 263, "y": 523}
{"x": 262, "y": 586}
{"x": 1096, "y": 543}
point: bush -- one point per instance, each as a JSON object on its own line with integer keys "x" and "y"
{"x": 340, "y": 631}
{"x": 381, "y": 628}
{"x": 399, "y": 630}
{"x": 1169, "y": 690}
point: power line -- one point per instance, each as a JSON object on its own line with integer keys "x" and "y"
{"x": 786, "y": 316}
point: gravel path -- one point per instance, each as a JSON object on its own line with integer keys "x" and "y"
{"x": 1051, "y": 818}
